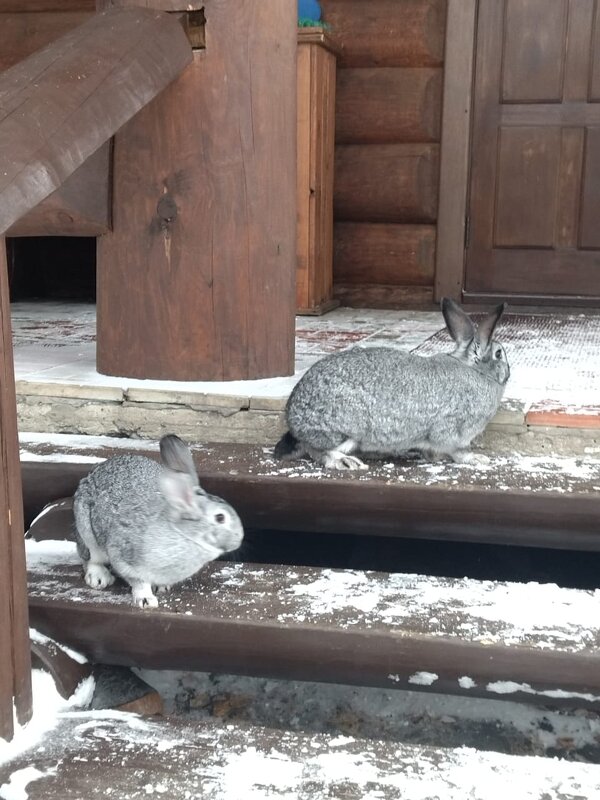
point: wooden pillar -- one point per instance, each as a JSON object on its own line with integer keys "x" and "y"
{"x": 15, "y": 665}
{"x": 316, "y": 155}
{"x": 197, "y": 279}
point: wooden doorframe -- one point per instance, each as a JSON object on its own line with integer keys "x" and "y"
{"x": 455, "y": 148}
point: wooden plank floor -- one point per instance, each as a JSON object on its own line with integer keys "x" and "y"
{"x": 109, "y": 754}
{"x": 544, "y": 502}
{"x": 516, "y": 641}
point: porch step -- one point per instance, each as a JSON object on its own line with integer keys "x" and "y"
{"x": 90, "y": 754}
{"x": 530, "y": 501}
{"x": 502, "y": 640}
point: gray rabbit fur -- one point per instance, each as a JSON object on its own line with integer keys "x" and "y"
{"x": 151, "y": 523}
{"x": 385, "y": 401}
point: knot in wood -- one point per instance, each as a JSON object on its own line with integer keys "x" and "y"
{"x": 166, "y": 209}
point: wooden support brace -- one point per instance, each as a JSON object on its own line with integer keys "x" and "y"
{"x": 64, "y": 102}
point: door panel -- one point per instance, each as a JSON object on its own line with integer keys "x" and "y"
{"x": 590, "y": 200}
{"x": 528, "y": 166}
{"x": 534, "y": 202}
{"x": 534, "y": 49}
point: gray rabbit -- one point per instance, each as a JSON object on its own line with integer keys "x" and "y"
{"x": 151, "y": 523}
{"x": 385, "y": 401}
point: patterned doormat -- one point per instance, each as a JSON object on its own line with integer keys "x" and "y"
{"x": 553, "y": 359}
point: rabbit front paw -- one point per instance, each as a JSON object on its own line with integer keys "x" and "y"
{"x": 97, "y": 576}
{"x": 163, "y": 588}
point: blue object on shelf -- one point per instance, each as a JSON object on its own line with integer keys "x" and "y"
{"x": 310, "y": 9}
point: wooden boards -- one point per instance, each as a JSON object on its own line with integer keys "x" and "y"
{"x": 60, "y": 105}
{"x": 15, "y": 683}
{"x": 198, "y": 275}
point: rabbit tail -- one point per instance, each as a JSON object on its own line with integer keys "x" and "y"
{"x": 288, "y": 447}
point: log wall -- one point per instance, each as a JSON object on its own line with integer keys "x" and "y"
{"x": 388, "y": 125}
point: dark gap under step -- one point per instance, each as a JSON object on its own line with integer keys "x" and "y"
{"x": 574, "y": 569}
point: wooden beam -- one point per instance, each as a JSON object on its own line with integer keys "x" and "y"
{"x": 388, "y": 105}
{"x": 15, "y": 681}
{"x": 61, "y": 104}
{"x": 383, "y": 295}
{"x": 386, "y": 182}
{"x": 455, "y": 148}
{"x": 389, "y": 34}
{"x": 375, "y": 253}
{"x": 81, "y": 207}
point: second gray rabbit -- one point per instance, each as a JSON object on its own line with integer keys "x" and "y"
{"x": 385, "y": 401}
{"x": 151, "y": 524}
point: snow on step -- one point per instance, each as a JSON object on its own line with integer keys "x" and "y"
{"x": 407, "y": 631}
{"x": 136, "y": 758}
{"x": 540, "y": 616}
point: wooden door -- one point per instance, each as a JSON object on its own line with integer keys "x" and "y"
{"x": 534, "y": 205}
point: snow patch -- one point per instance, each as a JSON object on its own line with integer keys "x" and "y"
{"x": 509, "y": 687}
{"x": 423, "y": 678}
{"x": 64, "y": 458}
{"x": 38, "y": 637}
{"x": 18, "y": 782}
{"x": 47, "y": 705}
{"x": 50, "y": 553}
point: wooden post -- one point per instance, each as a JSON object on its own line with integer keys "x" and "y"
{"x": 15, "y": 666}
{"x": 316, "y": 155}
{"x": 196, "y": 280}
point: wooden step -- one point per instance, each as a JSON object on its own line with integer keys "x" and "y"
{"x": 472, "y": 638}
{"x": 530, "y": 501}
{"x": 94, "y": 754}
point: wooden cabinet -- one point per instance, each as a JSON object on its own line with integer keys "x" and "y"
{"x": 316, "y": 143}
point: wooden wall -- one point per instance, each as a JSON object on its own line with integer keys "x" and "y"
{"x": 388, "y": 118}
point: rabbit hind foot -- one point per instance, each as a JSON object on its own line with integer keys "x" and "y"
{"x": 340, "y": 458}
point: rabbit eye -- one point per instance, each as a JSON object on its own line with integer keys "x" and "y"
{"x": 498, "y": 353}
{"x": 220, "y": 518}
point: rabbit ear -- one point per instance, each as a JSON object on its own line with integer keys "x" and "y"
{"x": 179, "y": 490}
{"x": 459, "y": 325}
{"x": 487, "y": 326}
{"x": 176, "y": 456}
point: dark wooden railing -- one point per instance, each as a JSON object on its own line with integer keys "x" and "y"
{"x": 56, "y": 109}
